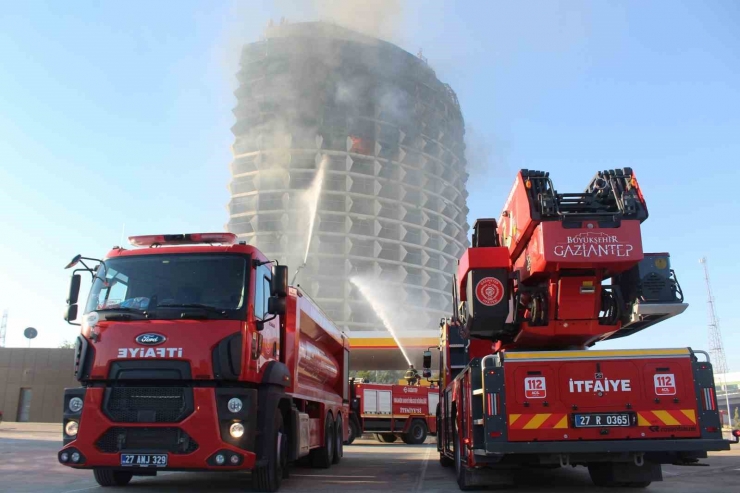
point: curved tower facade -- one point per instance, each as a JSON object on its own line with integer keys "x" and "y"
{"x": 354, "y": 144}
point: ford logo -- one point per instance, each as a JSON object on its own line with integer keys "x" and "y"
{"x": 151, "y": 339}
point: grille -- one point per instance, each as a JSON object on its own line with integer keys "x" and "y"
{"x": 654, "y": 287}
{"x": 147, "y": 404}
{"x": 173, "y": 440}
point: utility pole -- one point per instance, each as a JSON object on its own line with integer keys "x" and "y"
{"x": 716, "y": 348}
{"x": 3, "y": 327}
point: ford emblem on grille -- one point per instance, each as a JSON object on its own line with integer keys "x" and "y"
{"x": 151, "y": 339}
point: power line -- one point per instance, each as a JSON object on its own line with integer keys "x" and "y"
{"x": 716, "y": 348}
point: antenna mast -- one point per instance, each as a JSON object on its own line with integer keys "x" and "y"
{"x": 716, "y": 349}
{"x": 3, "y": 327}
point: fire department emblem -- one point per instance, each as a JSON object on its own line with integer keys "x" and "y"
{"x": 489, "y": 291}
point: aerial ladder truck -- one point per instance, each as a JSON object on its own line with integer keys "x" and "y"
{"x": 520, "y": 386}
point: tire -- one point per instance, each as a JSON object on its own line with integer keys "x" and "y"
{"x": 322, "y": 457}
{"x": 338, "y": 440}
{"x": 354, "y": 432}
{"x": 460, "y": 476}
{"x": 417, "y": 433}
{"x": 270, "y": 476}
{"x": 386, "y": 437}
{"x": 109, "y": 477}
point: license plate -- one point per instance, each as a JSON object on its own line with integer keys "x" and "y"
{"x": 600, "y": 420}
{"x": 144, "y": 460}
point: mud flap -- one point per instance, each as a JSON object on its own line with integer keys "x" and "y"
{"x": 611, "y": 473}
{"x": 489, "y": 476}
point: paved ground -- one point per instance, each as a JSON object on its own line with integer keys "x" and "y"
{"x": 28, "y": 465}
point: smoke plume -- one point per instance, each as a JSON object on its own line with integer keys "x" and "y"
{"x": 379, "y": 18}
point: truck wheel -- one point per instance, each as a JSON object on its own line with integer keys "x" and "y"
{"x": 637, "y": 484}
{"x": 460, "y": 472}
{"x": 339, "y": 440}
{"x": 386, "y": 437}
{"x": 268, "y": 477}
{"x": 354, "y": 432}
{"x": 109, "y": 477}
{"x": 322, "y": 457}
{"x": 417, "y": 433}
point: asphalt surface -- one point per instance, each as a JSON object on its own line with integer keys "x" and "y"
{"x": 28, "y": 465}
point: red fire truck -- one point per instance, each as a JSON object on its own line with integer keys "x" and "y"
{"x": 392, "y": 411}
{"x": 194, "y": 354}
{"x": 519, "y": 385}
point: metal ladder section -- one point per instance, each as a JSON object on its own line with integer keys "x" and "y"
{"x": 481, "y": 386}
{"x": 458, "y": 351}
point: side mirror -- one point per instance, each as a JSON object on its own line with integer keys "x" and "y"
{"x": 70, "y": 314}
{"x": 279, "y": 283}
{"x": 74, "y": 261}
{"x": 74, "y": 289}
{"x": 276, "y": 306}
{"x": 427, "y": 362}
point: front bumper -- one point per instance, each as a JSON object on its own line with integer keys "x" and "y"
{"x": 207, "y": 426}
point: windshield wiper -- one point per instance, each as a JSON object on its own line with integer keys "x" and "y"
{"x": 207, "y": 308}
{"x": 122, "y": 309}
{"x": 115, "y": 313}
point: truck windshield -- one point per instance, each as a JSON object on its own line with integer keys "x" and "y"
{"x": 167, "y": 285}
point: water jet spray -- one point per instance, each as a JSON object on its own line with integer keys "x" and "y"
{"x": 313, "y": 195}
{"x": 377, "y": 307}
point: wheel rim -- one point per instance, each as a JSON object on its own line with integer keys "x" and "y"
{"x": 418, "y": 432}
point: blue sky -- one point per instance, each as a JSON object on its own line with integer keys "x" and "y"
{"x": 114, "y": 114}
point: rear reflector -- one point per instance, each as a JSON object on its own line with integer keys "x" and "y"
{"x": 712, "y": 429}
{"x": 495, "y": 434}
{"x": 493, "y": 404}
{"x": 708, "y": 393}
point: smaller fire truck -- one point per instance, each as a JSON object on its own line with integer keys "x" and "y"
{"x": 195, "y": 355}
{"x": 391, "y": 411}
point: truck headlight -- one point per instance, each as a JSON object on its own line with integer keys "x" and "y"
{"x": 236, "y": 430}
{"x": 235, "y": 405}
{"x": 75, "y": 404}
{"x": 71, "y": 428}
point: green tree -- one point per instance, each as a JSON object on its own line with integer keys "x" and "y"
{"x": 67, "y": 345}
{"x": 736, "y": 418}
{"x": 378, "y": 376}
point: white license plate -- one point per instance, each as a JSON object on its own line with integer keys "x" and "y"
{"x": 144, "y": 460}
{"x": 598, "y": 420}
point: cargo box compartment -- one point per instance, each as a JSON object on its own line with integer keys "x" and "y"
{"x": 601, "y": 395}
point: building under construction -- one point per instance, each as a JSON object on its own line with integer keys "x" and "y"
{"x": 388, "y": 137}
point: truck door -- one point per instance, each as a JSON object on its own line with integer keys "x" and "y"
{"x": 384, "y": 402}
{"x": 370, "y": 401}
{"x": 269, "y": 349}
